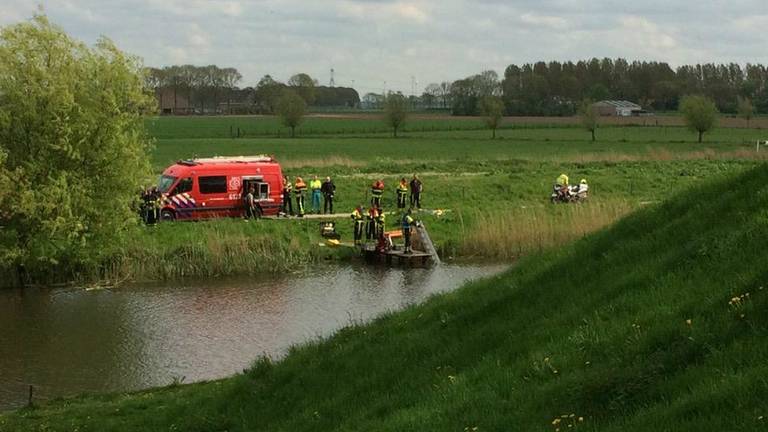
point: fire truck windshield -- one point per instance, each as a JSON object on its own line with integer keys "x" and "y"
{"x": 165, "y": 183}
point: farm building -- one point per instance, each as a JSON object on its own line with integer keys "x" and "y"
{"x": 172, "y": 102}
{"x": 620, "y": 108}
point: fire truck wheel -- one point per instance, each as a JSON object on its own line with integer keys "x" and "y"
{"x": 167, "y": 215}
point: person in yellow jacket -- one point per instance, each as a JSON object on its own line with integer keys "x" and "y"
{"x": 298, "y": 189}
{"x": 402, "y": 191}
{"x": 316, "y": 186}
{"x": 562, "y": 180}
{"x": 561, "y": 184}
{"x": 359, "y": 221}
{"x": 407, "y": 225}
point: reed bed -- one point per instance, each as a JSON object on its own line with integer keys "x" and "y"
{"x": 514, "y": 233}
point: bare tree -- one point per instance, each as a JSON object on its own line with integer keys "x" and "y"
{"x": 745, "y": 108}
{"x": 589, "y": 115}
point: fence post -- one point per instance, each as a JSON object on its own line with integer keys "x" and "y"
{"x": 29, "y": 401}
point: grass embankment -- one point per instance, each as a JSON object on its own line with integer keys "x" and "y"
{"x": 656, "y": 323}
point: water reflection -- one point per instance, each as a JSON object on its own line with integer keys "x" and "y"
{"x": 66, "y": 342}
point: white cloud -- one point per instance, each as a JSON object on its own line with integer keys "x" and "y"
{"x": 410, "y": 11}
{"x": 372, "y": 41}
{"x": 553, "y": 22}
{"x": 639, "y": 30}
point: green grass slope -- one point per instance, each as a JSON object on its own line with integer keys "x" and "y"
{"x": 596, "y": 331}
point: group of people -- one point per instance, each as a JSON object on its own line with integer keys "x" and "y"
{"x": 564, "y": 191}
{"x": 373, "y": 221}
{"x": 319, "y": 190}
{"x": 150, "y": 205}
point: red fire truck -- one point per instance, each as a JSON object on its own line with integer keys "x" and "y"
{"x": 215, "y": 187}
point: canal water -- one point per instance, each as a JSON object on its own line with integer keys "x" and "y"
{"x": 69, "y": 341}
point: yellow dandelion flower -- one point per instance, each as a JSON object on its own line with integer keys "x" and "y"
{"x": 581, "y": 419}
{"x": 688, "y": 321}
{"x": 555, "y": 422}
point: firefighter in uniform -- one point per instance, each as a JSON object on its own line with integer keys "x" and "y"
{"x": 402, "y": 191}
{"x": 407, "y": 223}
{"x": 377, "y": 190}
{"x": 298, "y": 189}
{"x": 155, "y": 203}
{"x": 370, "y": 217}
{"x": 357, "y": 218}
{"x": 380, "y": 219}
{"x": 287, "y": 199}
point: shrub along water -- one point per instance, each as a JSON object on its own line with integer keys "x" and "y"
{"x": 657, "y": 323}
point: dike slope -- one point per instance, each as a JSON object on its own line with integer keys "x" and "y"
{"x": 658, "y": 323}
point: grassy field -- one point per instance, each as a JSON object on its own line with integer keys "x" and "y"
{"x": 496, "y": 191}
{"x": 654, "y": 324}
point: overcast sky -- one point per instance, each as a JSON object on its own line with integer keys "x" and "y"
{"x": 370, "y": 42}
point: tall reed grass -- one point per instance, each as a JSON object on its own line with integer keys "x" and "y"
{"x": 514, "y": 233}
{"x": 217, "y": 251}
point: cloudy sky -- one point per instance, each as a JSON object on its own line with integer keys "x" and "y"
{"x": 378, "y": 44}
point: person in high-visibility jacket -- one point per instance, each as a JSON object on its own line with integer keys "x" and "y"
{"x": 402, "y": 191}
{"x": 380, "y": 222}
{"x": 359, "y": 221}
{"x": 407, "y": 224}
{"x": 298, "y": 189}
{"x": 370, "y": 219}
{"x": 287, "y": 198}
{"x": 562, "y": 180}
{"x": 377, "y": 190}
{"x": 315, "y": 185}
{"x": 561, "y": 184}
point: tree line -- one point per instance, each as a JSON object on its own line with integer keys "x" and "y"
{"x": 189, "y": 89}
{"x": 558, "y": 88}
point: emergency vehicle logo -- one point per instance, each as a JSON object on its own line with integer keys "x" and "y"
{"x": 183, "y": 200}
{"x": 234, "y": 183}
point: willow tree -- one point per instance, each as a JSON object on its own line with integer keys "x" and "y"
{"x": 395, "y": 111}
{"x": 699, "y": 113}
{"x": 492, "y": 108}
{"x": 291, "y": 108}
{"x": 72, "y": 142}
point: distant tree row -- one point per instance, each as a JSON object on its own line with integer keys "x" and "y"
{"x": 556, "y": 88}
{"x": 209, "y": 89}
